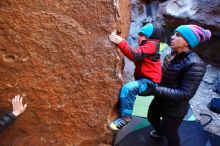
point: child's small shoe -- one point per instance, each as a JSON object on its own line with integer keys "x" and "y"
{"x": 154, "y": 134}
{"x": 118, "y": 124}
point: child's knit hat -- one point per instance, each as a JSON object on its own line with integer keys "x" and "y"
{"x": 194, "y": 34}
{"x": 152, "y": 31}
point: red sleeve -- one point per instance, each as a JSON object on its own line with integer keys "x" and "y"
{"x": 125, "y": 49}
{"x": 136, "y": 54}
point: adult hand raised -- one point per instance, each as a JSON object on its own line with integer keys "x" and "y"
{"x": 17, "y": 105}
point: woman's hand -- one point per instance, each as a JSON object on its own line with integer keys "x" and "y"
{"x": 17, "y": 105}
{"x": 150, "y": 91}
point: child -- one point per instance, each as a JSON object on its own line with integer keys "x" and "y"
{"x": 147, "y": 69}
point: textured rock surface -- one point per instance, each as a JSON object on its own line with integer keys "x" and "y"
{"x": 205, "y": 12}
{"x": 58, "y": 56}
{"x": 203, "y": 96}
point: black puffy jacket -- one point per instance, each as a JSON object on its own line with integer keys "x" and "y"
{"x": 6, "y": 119}
{"x": 180, "y": 81}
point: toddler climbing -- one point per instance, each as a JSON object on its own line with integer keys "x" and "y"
{"x": 147, "y": 73}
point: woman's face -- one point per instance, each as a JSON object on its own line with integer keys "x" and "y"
{"x": 141, "y": 38}
{"x": 178, "y": 42}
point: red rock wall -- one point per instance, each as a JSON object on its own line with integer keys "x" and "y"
{"x": 58, "y": 56}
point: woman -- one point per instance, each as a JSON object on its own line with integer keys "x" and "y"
{"x": 183, "y": 71}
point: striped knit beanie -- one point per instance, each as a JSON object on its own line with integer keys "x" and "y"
{"x": 194, "y": 34}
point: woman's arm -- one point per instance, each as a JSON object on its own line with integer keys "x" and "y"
{"x": 6, "y": 119}
{"x": 9, "y": 117}
{"x": 190, "y": 82}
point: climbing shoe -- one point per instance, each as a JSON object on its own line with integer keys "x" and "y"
{"x": 118, "y": 124}
{"x": 154, "y": 134}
